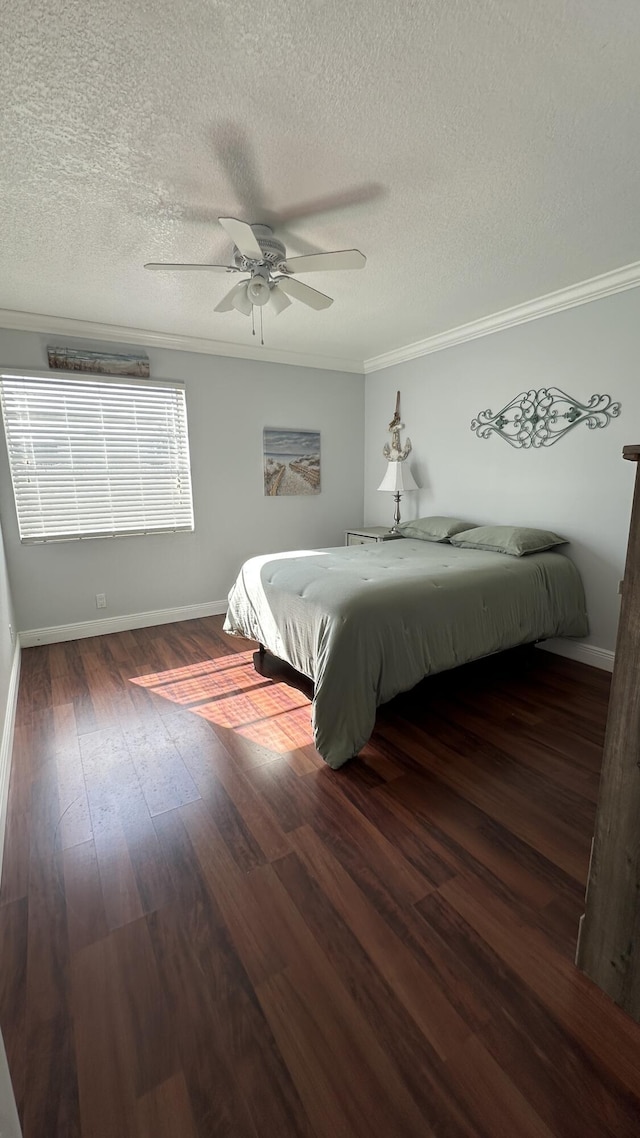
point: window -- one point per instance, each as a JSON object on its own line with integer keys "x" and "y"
{"x": 96, "y": 457}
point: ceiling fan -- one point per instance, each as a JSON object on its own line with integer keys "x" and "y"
{"x": 258, "y": 252}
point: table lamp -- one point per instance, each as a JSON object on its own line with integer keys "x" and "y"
{"x": 397, "y": 480}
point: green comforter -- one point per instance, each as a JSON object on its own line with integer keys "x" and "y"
{"x": 370, "y": 621}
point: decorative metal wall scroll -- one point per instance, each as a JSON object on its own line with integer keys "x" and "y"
{"x": 540, "y": 418}
{"x": 396, "y": 452}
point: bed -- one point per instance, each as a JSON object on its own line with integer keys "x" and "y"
{"x": 367, "y": 622}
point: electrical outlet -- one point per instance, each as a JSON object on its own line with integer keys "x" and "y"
{"x": 101, "y": 600}
{"x": 12, "y": 635}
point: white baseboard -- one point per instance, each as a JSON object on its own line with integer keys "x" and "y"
{"x": 54, "y": 635}
{"x": 6, "y": 744}
{"x": 585, "y": 653}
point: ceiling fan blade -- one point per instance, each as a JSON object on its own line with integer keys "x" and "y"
{"x": 243, "y": 236}
{"x": 197, "y": 268}
{"x": 229, "y": 301}
{"x": 303, "y": 292}
{"x": 327, "y": 262}
{"x": 278, "y": 300}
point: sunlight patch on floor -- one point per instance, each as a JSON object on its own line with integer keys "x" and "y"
{"x": 229, "y": 693}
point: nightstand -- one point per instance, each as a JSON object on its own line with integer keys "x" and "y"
{"x": 362, "y": 535}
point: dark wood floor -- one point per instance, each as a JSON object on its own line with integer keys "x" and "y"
{"x": 204, "y": 931}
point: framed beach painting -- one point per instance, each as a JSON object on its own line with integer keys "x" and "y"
{"x": 134, "y": 364}
{"x": 291, "y": 461}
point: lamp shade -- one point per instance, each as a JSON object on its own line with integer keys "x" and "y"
{"x": 398, "y": 478}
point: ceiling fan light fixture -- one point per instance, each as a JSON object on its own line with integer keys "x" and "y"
{"x": 258, "y": 291}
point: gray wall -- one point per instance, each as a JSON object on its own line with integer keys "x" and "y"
{"x": 7, "y": 621}
{"x": 9, "y": 1125}
{"x": 7, "y": 652}
{"x": 229, "y": 401}
{"x": 579, "y": 487}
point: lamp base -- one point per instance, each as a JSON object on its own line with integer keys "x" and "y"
{"x": 396, "y": 515}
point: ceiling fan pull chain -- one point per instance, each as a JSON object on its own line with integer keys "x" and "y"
{"x": 253, "y": 320}
{"x": 261, "y": 331}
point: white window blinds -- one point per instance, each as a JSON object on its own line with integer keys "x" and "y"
{"x": 95, "y": 457}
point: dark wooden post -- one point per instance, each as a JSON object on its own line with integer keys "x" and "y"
{"x": 609, "y": 942}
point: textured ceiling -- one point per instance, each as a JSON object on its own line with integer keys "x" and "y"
{"x": 480, "y": 152}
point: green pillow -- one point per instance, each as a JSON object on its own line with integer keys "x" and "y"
{"x": 515, "y": 540}
{"x": 432, "y": 529}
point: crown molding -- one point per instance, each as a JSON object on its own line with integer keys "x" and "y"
{"x": 144, "y": 337}
{"x": 617, "y": 280}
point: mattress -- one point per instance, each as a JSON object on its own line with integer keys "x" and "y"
{"x": 367, "y": 622}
